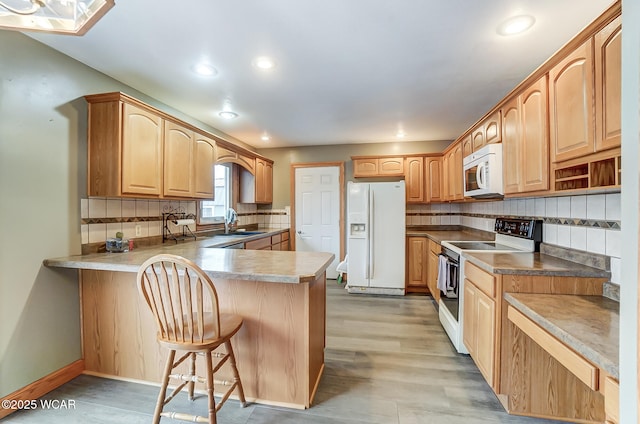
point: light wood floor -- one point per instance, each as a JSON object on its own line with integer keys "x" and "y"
{"x": 388, "y": 361}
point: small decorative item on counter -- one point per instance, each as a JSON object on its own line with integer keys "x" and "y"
{"x": 118, "y": 244}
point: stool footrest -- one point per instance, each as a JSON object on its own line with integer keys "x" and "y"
{"x": 185, "y": 417}
{"x": 188, "y": 378}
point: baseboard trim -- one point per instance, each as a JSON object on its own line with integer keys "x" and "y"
{"x": 44, "y": 385}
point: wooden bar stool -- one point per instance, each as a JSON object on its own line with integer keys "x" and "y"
{"x": 185, "y": 305}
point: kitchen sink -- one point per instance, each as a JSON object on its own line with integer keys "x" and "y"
{"x": 241, "y": 233}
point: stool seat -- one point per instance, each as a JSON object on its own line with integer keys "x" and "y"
{"x": 184, "y": 302}
{"x": 229, "y": 325}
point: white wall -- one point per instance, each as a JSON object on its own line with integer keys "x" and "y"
{"x": 630, "y": 210}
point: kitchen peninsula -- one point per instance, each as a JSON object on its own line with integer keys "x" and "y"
{"x": 280, "y": 295}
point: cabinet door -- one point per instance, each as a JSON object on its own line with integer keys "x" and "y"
{"x": 493, "y": 129}
{"x": 469, "y": 335}
{"x": 511, "y": 146}
{"x": 432, "y": 275}
{"x": 535, "y": 140}
{"x": 141, "y": 151}
{"x": 485, "y": 334}
{"x": 608, "y": 43}
{"x": 204, "y": 169}
{"x": 414, "y": 179}
{"x": 467, "y": 146}
{"x": 571, "y": 105}
{"x": 264, "y": 181}
{"x": 179, "y": 148}
{"x": 478, "y": 138}
{"x": 458, "y": 192}
{"x": 365, "y": 167}
{"x": 434, "y": 180}
{"x": 446, "y": 194}
{"x": 417, "y": 257}
{"x": 391, "y": 166}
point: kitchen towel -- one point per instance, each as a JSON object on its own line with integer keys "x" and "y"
{"x": 443, "y": 273}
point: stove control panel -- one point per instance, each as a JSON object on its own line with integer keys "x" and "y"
{"x": 524, "y": 228}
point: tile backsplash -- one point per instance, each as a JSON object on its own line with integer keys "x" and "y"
{"x": 586, "y": 222}
{"x": 103, "y": 218}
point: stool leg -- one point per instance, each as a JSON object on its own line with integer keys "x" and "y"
{"x": 163, "y": 388}
{"x": 212, "y": 400}
{"x": 192, "y": 372}
{"x": 236, "y": 375}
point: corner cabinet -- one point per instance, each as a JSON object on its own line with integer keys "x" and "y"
{"x": 257, "y": 187}
{"x": 124, "y": 148}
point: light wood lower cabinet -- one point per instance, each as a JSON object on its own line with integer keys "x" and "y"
{"x": 612, "y": 400}
{"x": 479, "y": 320}
{"x": 278, "y": 241}
{"x": 417, "y": 265}
{"x": 432, "y": 269}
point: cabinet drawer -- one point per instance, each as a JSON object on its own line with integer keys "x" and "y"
{"x": 483, "y": 280}
{"x": 285, "y": 236}
{"x": 576, "y": 364}
{"x": 612, "y": 399}
{"x": 262, "y": 243}
{"x": 276, "y": 239}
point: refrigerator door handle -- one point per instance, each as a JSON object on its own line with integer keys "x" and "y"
{"x": 370, "y": 237}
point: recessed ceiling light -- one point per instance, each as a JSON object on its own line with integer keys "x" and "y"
{"x": 400, "y": 134}
{"x": 264, "y": 63}
{"x": 516, "y": 25}
{"x": 204, "y": 69}
{"x": 265, "y": 137}
{"x": 227, "y": 114}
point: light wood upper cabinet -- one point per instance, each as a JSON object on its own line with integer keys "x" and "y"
{"x": 478, "y": 138}
{"x": 608, "y": 76}
{"x": 378, "y": 166}
{"x": 141, "y": 151}
{"x": 452, "y": 173}
{"x": 511, "y": 146}
{"x": 493, "y": 128}
{"x": 525, "y": 141}
{"x": 124, "y": 148}
{"x": 264, "y": 181}
{"x": 179, "y": 155}
{"x": 205, "y": 159}
{"x": 571, "y": 105}
{"x": 414, "y": 179}
{"x": 467, "y": 146}
{"x": 456, "y": 181}
{"x": 434, "y": 179}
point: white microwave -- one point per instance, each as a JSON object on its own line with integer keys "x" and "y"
{"x": 483, "y": 172}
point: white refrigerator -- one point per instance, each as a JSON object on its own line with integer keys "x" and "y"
{"x": 376, "y": 238}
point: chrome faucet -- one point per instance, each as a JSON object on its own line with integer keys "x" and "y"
{"x": 230, "y": 218}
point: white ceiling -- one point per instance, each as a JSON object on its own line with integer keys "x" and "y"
{"x": 348, "y": 71}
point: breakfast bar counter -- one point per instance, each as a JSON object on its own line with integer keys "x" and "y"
{"x": 279, "y": 294}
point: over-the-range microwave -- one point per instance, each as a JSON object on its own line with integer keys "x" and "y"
{"x": 483, "y": 172}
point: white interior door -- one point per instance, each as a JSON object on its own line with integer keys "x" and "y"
{"x": 317, "y": 209}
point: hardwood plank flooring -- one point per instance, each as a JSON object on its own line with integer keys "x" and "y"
{"x": 387, "y": 361}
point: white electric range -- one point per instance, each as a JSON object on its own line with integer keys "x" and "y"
{"x": 513, "y": 235}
